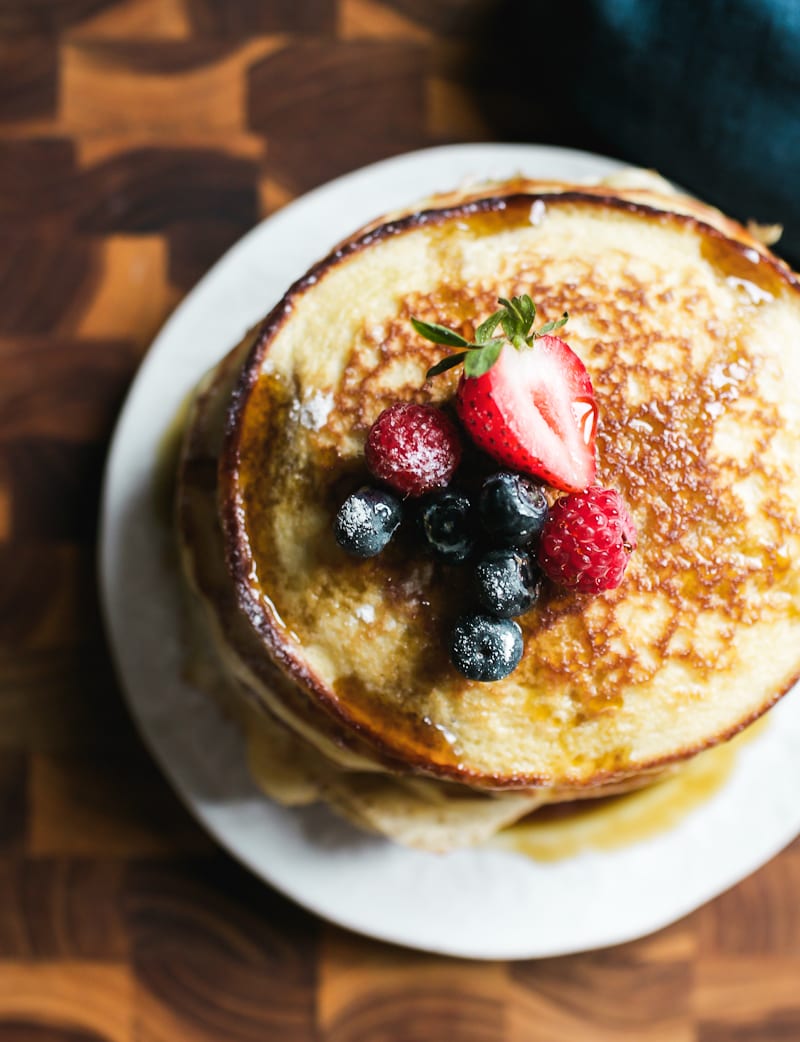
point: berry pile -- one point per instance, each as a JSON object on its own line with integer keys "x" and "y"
{"x": 537, "y": 416}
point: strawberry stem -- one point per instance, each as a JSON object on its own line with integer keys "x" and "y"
{"x": 479, "y": 355}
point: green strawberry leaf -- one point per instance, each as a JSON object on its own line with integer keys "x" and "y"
{"x": 485, "y": 329}
{"x": 446, "y": 363}
{"x": 548, "y": 327}
{"x": 439, "y": 334}
{"x": 481, "y": 360}
{"x": 528, "y": 309}
{"x": 520, "y": 311}
{"x": 514, "y": 319}
{"x": 509, "y": 324}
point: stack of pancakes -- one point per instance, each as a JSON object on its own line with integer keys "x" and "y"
{"x": 690, "y": 330}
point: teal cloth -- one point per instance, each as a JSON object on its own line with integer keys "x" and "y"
{"x": 706, "y": 92}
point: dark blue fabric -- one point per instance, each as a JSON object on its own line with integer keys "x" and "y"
{"x": 706, "y": 92}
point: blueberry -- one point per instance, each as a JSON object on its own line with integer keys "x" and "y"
{"x": 512, "y": 508}
{"x": 446, "y": 525}
{"x": 507, "y": 583}
{"x": 485, "y": 648}
{"x": 366, "y": 521}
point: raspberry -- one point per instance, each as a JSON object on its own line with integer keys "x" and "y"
{"x": 587, "y": 540}
{"x": 413, "y": 448}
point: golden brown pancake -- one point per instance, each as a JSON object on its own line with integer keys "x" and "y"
{"x": 688, "y": 328}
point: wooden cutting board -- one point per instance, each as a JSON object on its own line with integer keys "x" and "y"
{"x": 139, "y": 139}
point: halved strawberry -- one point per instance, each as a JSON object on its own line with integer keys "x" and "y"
{"x": 535, "y": 412}
{"x": 525, "y": 398}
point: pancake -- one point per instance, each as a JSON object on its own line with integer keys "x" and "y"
{"x": 688, "y": 328}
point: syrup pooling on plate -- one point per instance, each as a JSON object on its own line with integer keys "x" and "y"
{"x": 614, "y": 822}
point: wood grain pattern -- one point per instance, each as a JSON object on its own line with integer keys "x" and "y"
{"x": 138, "y": 140}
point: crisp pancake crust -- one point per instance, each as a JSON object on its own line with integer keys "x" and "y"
{"x": 689, "y": 338}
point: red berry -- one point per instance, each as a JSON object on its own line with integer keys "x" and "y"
{"x": 587, "y": 540}
{"x": 535, "y": 412}
{"x": 413, "y": 448}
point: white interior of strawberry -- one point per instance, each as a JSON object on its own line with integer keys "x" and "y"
{"x": 538, "y": 396}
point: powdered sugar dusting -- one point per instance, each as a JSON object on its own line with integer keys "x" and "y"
{"x": 365, "y": 612}
{"x": 537, "y": 213}
{"x": 315, "y": 409}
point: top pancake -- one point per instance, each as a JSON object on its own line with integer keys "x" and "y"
{"x": 690, "y": 339}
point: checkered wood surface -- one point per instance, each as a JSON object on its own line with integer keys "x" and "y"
{"x": 138, "y": 140}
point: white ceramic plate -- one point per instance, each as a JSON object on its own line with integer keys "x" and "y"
{"x": 481, "y": 903}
